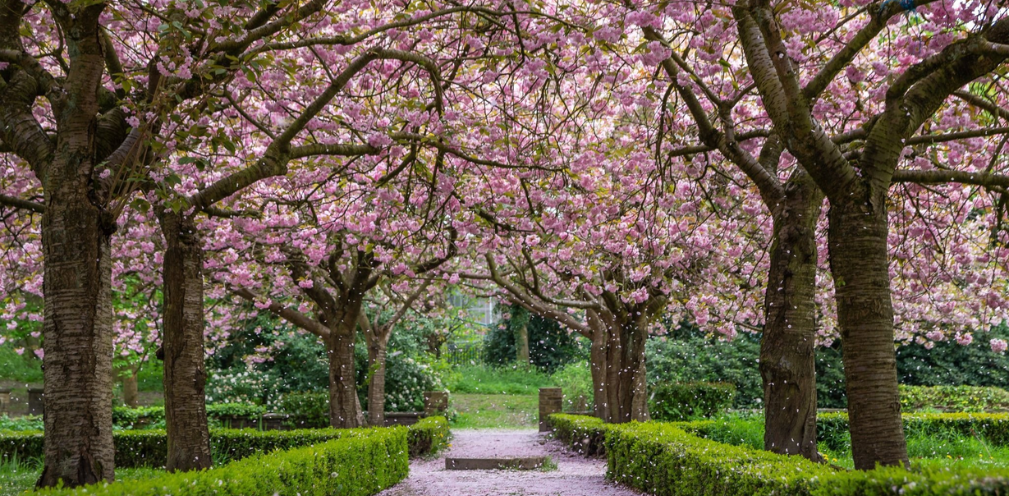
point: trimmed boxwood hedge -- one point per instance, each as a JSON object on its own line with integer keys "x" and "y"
{"x": 126, "y": 417}
{"x": 665, "y": 460}
{"x": 362, "y": 463}
{"x": 149, "y": 448}
{"x": 832, "y": 428}
{"x": 583, "y": 434}
{"x": 428, "y": 436}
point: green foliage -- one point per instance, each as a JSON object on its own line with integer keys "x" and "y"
{"x": 550, "y": 346}
{"x": 406, "y": 379}
{"x": 832, "y": 428}
{"x": 946, "y": 481}
{"x": 360, "y": 462}
{"x": 25, "y": 423}
{"x": 584, "y": 434}
{"x": 483, "y": 379}
{"x": 130, "y": 418}
{"x": 428, "y": 436}
{"x": 149, "y": 448}
{"x": 663, "y": 460}
{"x": 576, "y": 381}
{"x": 954, "y": 398}
{"x": 306, "y": 409}
{"x": 948, "y": 363}
{"x": 23, "y": 368}
{"x": 678, "y": 402}
{"x": 688, "y": 355}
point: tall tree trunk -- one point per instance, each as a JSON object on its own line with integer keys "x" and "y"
{"x": 344, "y": 405}
{"x": 182, "y": 340}
{"x": 633, "y": 386}
{"x": 598, "y": 365}
{"x": 77, "y": 328}
{"x": 522, "y": 342}
{"x": 787, "y": 365}
{"x": 77, "y": 279}
{"x": 625, "y": 378}
{"x": 131, "y": 394}
{"x": 376, "y": 369}
{"x": 858, "y": 260}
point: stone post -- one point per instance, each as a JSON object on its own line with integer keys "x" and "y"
{"x": 551, "y": 402}
{"x": 35, "y": 404}
{"x": 5, "y": 400}
{"x": 435, "y": 403}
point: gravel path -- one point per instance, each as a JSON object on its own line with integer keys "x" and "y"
{"x": 575, "y": 474}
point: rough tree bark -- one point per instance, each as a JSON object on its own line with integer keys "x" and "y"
{"x": 182, "y": 340}
{"x": 597, "y": 363}
{"x": 521, "y": 316}
{"x": 377, "y": 347}
{"x": 344, "y": 405}
{"x": 76, "y": 232}
{"x": 858, "y": 260}
{"x": 787, "y": 365}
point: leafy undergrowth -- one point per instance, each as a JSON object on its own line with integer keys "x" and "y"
{"x": 495, "y": 411}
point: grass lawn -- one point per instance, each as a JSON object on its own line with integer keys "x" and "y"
{"x": 495, "y": 411}
{"x": 936, "y": 449}
{"x": 16, "y": 478}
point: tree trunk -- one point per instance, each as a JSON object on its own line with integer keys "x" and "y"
{"x": 131, "y": 394}
{"x": 858, "y": 260}
{"x": 182, "y": 341}
{"x": 626, "y": 396}
{"x": 522, "y": 343}
{"x": 77, "y": 279}
{"x": 787, "y": 364}
{"x": 344, "y": 405}
{"x": 598, "y": 365}
{"x": 376, "y": 369}
{"x": 77, "y": 329}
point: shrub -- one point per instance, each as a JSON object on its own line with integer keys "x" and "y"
{"x": 130, "y": 418}
{"x": 663, "y": 460}
{"x": 582, "y": 433}
{"x": 429, "y": 436}
{"x": 954, "y": 398}
{"x": 576, "y": 381}
{"x": 149, "y": 448}
{"x": 406, "y": 379}
{"x": 306, "y": 409}
{"x": 362, "y": 463}
{"x": 550, "y": 346}
{"x": 832, "y": 428}
{"x": 678, "y": 402}
{"x": 25, "y": 423}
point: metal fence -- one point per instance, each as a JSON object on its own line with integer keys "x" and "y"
{"x": 465, "y": 353}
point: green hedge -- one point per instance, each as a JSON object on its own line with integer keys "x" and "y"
{"x": 362, "y": 463}
{"x": 428, "y": 436}
{"x": 583, "y": 434}
{"x": 149, "y": 448}
{"x": 832, "y": 428}
{"x": 128, "y": 417}
{"x": 679, "y": 402}
{"x": 663, "y": 459}
{"x": 954, "y": 398}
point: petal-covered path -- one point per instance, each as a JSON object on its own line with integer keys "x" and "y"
{"x": 575, "y": 474}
